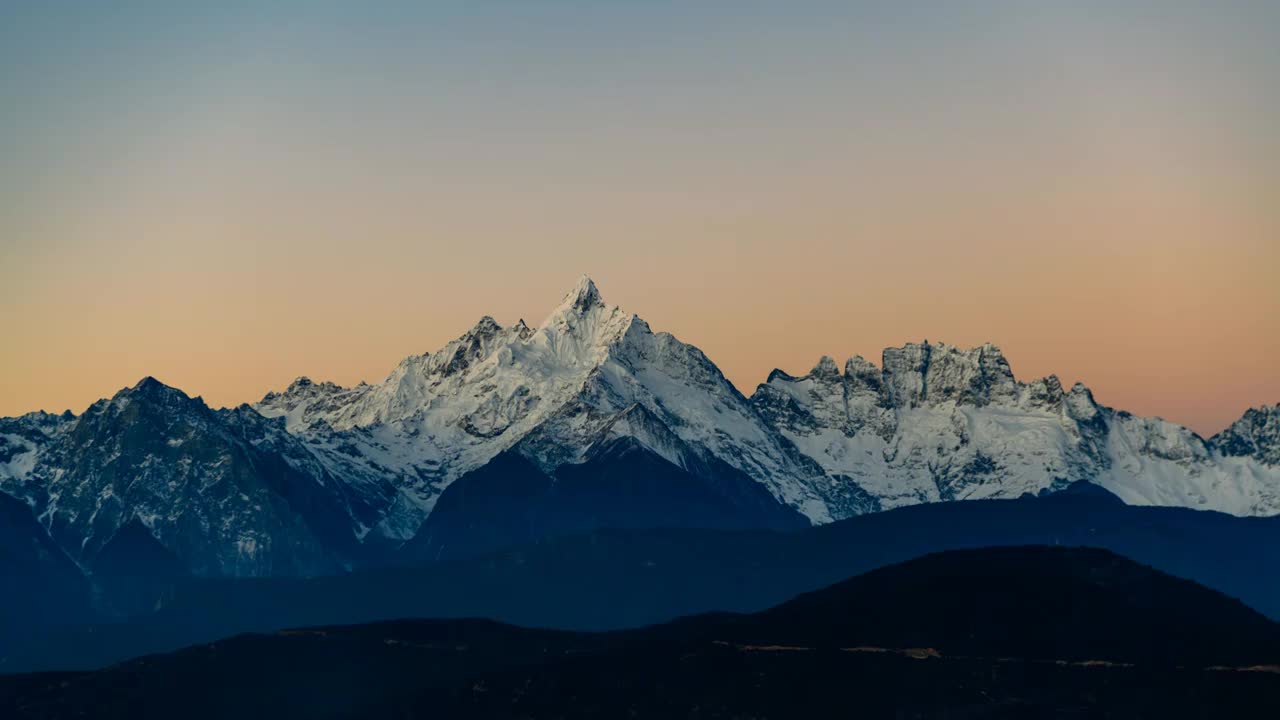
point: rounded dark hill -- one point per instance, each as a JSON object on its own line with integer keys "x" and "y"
{"x": 1019, "y": 632}
{"x": 1030, "y": 603}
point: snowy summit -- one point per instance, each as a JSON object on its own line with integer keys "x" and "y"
{"x": 930, "y": 423}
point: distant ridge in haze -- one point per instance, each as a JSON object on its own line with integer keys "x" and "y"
{"x": 979, "y": 633}
{"x": 608, "y": 579}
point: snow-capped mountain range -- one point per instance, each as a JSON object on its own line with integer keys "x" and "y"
{"x": 319, "y": 477}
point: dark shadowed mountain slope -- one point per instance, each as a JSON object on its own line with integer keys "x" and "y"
{"x": 510, "y": 501}
{"x": 227, "y": 492}
{"x": 322, "y": 479}
{"x": 495, "y": 506}
{"x": 41, "y": 586}
{"x": 615, "y": 579}
{"x": 930, "y": 422}
{"x": 1015, "y": 632}
{"x": 1034, "y": 602}
{"x": 134, "y": 574}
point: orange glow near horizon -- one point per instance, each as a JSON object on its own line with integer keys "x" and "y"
{"x": 1096, "y": 192}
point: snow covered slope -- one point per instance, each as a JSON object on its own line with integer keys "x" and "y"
{"x": 24, "y": 438}
{"x": 936, "y": 422}
{"x": 588, "y": 371}
{"x": 228, "y": 492}
{"x": 319, "y": 477}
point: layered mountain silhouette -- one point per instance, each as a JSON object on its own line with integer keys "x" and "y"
{"x": 510, "y": 502}
{"x": 602, "y": 423}
{"x": 610, "y": 579}
{"x": 228, "y": 492}
{"x": 1011, "y": 632}
{"x": 43, "y": 587}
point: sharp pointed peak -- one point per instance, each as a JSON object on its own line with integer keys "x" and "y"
{"x": 484, "y": 330}
{"x": 304, "y": 384}
{"x": 1052, "y": 382}
{"x": 826, "y": 367}
{"x": 522, "y": 329}
{"x": 583, "y": 295}
{"x": 151, "y": 387}
{"x": 148, "y": 383}
{"x": 857, "y": 364}
{"x": 1081, "y": 394}
{"x": 300, "y": 382}
{"x": 583, "y": 300}
{"x": 151, "y": 390}
{"x": 584, "y": 282}
{"x": 485, "y": 326}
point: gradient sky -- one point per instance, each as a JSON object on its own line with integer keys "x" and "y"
{"x": 228, "y": 197}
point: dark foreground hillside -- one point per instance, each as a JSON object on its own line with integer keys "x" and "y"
{"x": 612, "y": 579}
{"x": 1012, "y": 632}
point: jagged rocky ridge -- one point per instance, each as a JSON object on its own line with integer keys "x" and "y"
{"x": 320, "y": 477}
{"x": 229, "y": 492}
{"x": 936, "y": 422}
{"x": 588, "y": 374}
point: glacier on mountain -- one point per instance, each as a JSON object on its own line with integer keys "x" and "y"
{"x": 552, "y": 391}
{"x": 319, "y": 476}
{"x": 936, "y": 423}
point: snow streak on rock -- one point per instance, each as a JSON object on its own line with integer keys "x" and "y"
{"x": 319, "y": 476}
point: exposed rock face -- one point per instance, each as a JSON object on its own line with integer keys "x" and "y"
{"x": 552, "y": 392}
{"x": 940, "y": 423}
{"x": 23, "y": 439}
{"x": 320, "y": 477}
{"x": 1256, "y": 435}
{"x": 229, "y": 492}
{"x": 934, "y": 422}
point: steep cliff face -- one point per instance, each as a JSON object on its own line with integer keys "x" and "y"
{"x": 551, "y": 393}
{"x": 933, "y": 422}
{"x": 937, "y": 422}
{"x": 318, "y": 477}
{"x": 23, "y": 439}
{"x": 1255, "y": 436}
{"x": 227, "y": 492}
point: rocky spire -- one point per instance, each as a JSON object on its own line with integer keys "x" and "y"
{"x": 1256, "y": 434}
{"x": 826, "y": 369}
{"x": 474, "y": 345}
{"x": 153, "y": 391}
{"x": 582, "y": 296}
{"x": 862, "y": 374}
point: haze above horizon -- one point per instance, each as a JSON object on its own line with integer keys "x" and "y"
{"x": 229, "y": 197}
